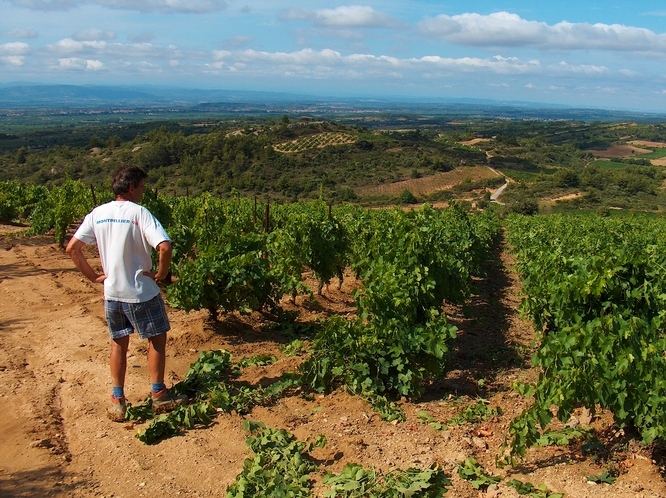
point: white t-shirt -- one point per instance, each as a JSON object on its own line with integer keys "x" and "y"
{"x": 125, "y": 234}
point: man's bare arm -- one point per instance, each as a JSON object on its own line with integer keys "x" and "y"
{"x": 164, "y": 260}
{"x": 75, "y": 251}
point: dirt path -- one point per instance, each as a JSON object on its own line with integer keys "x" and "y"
{"x": 54, "y": 385}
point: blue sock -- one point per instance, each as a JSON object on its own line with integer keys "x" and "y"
{"x": 118, "y": 392}
{"x": 158, "y": 386}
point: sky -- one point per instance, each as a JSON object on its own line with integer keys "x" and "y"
{"x": 590, "y": 53}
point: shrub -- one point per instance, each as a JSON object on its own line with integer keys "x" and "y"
{"x": 406, "y": 197}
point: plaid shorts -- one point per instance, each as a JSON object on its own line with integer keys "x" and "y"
{"x": 148, "y": 319}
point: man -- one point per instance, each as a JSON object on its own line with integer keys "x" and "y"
{"x": 125, "y": 234}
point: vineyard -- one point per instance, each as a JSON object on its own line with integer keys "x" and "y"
{"x": 317, "y": 141}
{"x": 380, "y": 310}
{"x": 433, "y": 183}
{"x": 595, "y": 288}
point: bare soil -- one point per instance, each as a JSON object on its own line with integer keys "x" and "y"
{"x": 475, "y": 141}
{"x": 433, "y": 183}
{"x": 54, "y": 387}
{"x": 648, "y": 144}
{"x": 555, "y": 200}
{"x": 622, "y": 151}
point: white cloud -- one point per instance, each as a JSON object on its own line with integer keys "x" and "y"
{"x": 71, "y": 63}
{"x": 510, "y": 30}
{"x": 146, "y": 66}
{"x": 138, "y": 50}
{"x": 221, "y": 54}
{"x": 14, "y": 48}
{"x": 308, "y": 62}
{"x": 352, "y": 16}
{"x": 69, "y": 47}
{"x": 582, "y": 69}
{"x": 179, "y": 6}
{"x": 13, "y": 60}
{"x": 94, "y": 35}
{"x": 330, "y": 58}
{"x": 501, "y": 28}
{"x": 497, "y": 64}
{"x": 94, "y": 65}
{"x": 299, "y": 58}
{"x": 531, "y": 86}
{"x": 78, "y": 64}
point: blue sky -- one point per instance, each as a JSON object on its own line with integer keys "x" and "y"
{"x": 585, "y": 53}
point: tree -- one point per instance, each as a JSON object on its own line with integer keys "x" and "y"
{"x": 566, "y": 178}
{"x": 21, "y": 155}
{"x": 406, "y": 197}
{"x": 526, "y": 206}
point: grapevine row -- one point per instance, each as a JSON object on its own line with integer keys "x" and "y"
{"x": 596, "y": 291}
{"x": 227, "y": 257}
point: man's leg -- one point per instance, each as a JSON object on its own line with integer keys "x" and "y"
{"x": 118, "y": 363}
{"x": 157, "y": 357}
{"x": 118, "y": 360}
{"x": 163, "y": 398}
{"x": 151, "y": 322}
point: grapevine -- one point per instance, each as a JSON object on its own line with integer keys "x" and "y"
{"x": 596, "y": 291}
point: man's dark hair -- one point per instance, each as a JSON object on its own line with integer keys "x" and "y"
{"x": 126, "y": 177}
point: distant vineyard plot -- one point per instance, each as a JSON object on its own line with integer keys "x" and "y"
{"x": 658, "y": 156}
{"x": 648, "y": 144}
{"x": 643, "y": 149}
{"x": 317, "y": 141}
{"x": 475, "y": 141}
{"x": 430, "y": 184}
{"x": 619, "y": 151}
{"x": 605, "y": 164}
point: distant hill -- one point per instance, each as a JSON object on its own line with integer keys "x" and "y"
{"x": 26, "y": 96}
{"x": 94, "y": 95}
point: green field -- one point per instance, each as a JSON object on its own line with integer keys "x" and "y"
{"x": 655, "y": 154}
{"x": 605, "y": 164}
